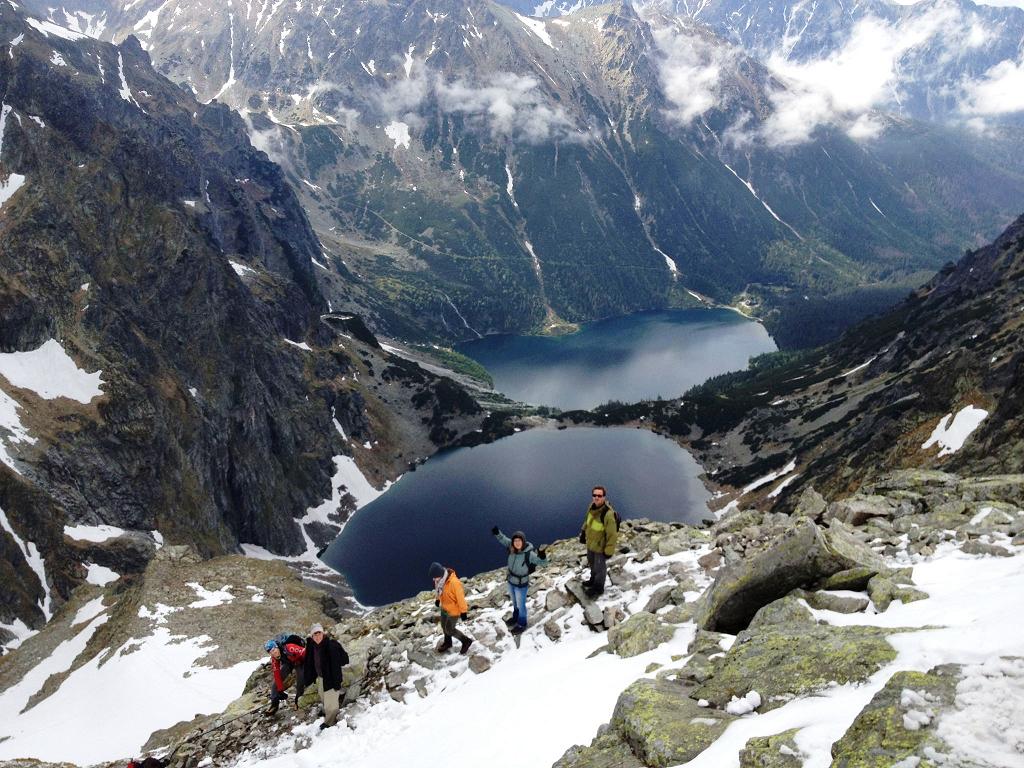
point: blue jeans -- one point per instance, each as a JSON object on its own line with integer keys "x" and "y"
{"x": 518, "y": 595}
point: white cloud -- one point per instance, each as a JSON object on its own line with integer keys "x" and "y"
{"x": 999, "y": 91}
{"x": 844, "y": 88}
{"x": 511, "y": 106}
{"x": 691, "y": 71}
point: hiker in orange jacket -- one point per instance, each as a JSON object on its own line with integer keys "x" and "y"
{"x": 450, "y": 598}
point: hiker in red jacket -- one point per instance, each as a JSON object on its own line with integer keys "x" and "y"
{"x": 287, "y": 654}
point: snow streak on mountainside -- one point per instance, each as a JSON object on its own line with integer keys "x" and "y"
{"x": 649, "y": 162}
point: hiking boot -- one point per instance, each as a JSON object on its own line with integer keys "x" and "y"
{"x": 465, "y": 645}
{"x": 272, "y": 709}
{"x": 512, "y": 620}
{"x": 518, "y": 629}
{"x": 446, "y": 645}
{"x": 325, "y": 725}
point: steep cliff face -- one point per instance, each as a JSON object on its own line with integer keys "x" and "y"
{"x": 938, "y": 382}
{"x": 164, "y": 360}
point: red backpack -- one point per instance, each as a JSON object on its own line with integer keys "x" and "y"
{"x": 294, "y": 652}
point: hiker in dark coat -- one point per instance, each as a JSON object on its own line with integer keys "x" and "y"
{"x": 522, "y": 560}
{"x": 600, "y": 533}
{"x": 287, "y": 654}
{"x": 324, "y": 659}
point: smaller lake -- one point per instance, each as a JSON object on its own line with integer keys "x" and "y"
{"x": 630, "y": 358}
{"x": 537, "y": 481}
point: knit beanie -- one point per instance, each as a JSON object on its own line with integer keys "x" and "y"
{"x": 436, "y": 571}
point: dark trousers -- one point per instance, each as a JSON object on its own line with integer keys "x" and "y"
{"x": 449, "y": 630}
{"x": 598, "y": 568}
{"x": 286, "y": 671}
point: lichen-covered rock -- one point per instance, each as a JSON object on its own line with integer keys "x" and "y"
{"x": 880, "y": 736}
{"x": 781, "y": 662}
{"x": 976, "y": 547}
{"x": 852, "y": 578}
{"x": 883, "y": 591}
{"x": 776, "y": 751}
{"x": 663, "y": 725}
{"x": 799, "y": 557}
{"x": 810, "y": 504}
{"x": 824, "y": 601}
{"x": 786, "y": 611}
{"x": 640, "y": 633}
{"x": 608, "y": 750}
{"x": 857, "y": 510}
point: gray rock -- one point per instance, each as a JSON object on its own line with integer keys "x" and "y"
{"x": 855, "y": 579}
{"x": 552, "y": 630}
{"x": 786, "y": 611}
{"x": 612, "y": 616}
{"x": 662, "y": 725}
{"x": 479, "y": 664}
{"x": 857, "y": 510}
{"x": 810, "y": 504}
{"x": 883, "y": 591}
{"x": 711, "y": 560}
{"x": 608, "y": 750}
{"x": 976, "y": 547}
{"x": 823, "y": 601}
{"x": 802, "y": 556}
{"x": 594, "y": 616}
{"x": 659, "y": 599}
{"x": 640, "y": 633}
{"x": 555, "y": 599}
{"x": 776, "y": 751}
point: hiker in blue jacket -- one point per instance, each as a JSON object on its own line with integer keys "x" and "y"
{"x": 523, "y": 559}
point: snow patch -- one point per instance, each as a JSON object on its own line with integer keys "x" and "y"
{"x": 49, "y": 28}
{"x": 51, "y": 373}
{"x": 11, "y": 424}
{"x": 537, "y": 27}
{"x": 860, "y": 367}
{"x": 124, "y": 90}
{"x": 97, "y": 534}
{"x": 182, "y": 690}
{"x": 770, "y": 477}
{"x": 210, "y": 598}
{"x": 299, "y": 344}
{"x": 35, "y": 561}
{"x": 100, "y": 575}
{"x": 398, "y": 132}
{"x": 241, "y": 269}
{"x": 743, "y": 705}
{"x": 952, "y": 436}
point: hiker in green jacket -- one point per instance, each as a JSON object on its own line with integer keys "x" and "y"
{"x": 600, "y": 533}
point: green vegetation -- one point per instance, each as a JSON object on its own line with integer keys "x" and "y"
{"x": 457, "y": 362}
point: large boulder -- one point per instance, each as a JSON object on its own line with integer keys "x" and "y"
{"x": 781, "y": 662}
{"x": 898, "y": 723}
{"x": 801, "y": 556}
{"x": 857, "y": 510}
{"x": 608, "y": 750}
{"x": 663, "y": 725}
{"x": 776, "y": 751}
{"x": 640, "y": 633}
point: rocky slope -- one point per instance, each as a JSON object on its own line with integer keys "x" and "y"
{"x": 765, "y": 639}
{"x": 167, "y": 360}
{"x": 442, "y": 149}
{"x": 937, "y": 382}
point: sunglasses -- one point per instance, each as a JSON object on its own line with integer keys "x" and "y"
{"x": 597, "y": 495}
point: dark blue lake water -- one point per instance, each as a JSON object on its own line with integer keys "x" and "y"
{"x": 629, "y": 358}
{"x": 540, "y": 481}
{"x": 537, "y": 481}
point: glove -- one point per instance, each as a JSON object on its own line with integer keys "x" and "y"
{"x": 437, "y": 603}
{"x": 464, "y": 616}
{"x": 495, "y": 531}
{"x": 542, "y": 554}
{"x": 583, "y": 537}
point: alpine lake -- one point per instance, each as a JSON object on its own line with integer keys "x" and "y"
{"x": 539, "y": 481}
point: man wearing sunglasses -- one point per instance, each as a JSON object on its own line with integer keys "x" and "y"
{"x": 600, "y": 533}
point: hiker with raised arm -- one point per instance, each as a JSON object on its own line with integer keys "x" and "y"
{"x": 600, "y": 533}
{"x": 523, "y": 560}
{"x": 450, "y": 598}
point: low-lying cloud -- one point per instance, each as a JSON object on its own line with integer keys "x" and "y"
{"x": 507, "y": 105}
{"x": 692, "y": 70}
